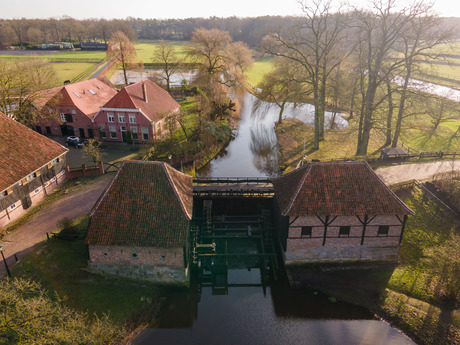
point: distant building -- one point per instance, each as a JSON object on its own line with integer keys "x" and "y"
{"x": 141, "y": 109}
{"x": 335, "y": 212}
{"x": 139, "y": 228}
{"x": 31, "y": 167}
{"x": 393, "y": 152}
{"x": 94, "y": 46}
{"x": 69, "y": 109}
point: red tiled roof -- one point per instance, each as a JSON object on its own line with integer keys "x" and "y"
{"x": 147, "y": 204}
{"x": 159, "y": 102}
{"x": 336, "y": 189}
{"x": 78, "y": 95}
{"x": 22, "y": 151}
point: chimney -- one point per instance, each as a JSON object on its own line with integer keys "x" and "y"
{"x": 144, "y": 93}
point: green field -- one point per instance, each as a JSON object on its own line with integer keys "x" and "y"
{"x": 145, "y": 48}
{"x": 258, "y": 70}
{"x": 67, "y": 71}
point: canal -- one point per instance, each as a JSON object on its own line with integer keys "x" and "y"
{"x": 241, "y": 304}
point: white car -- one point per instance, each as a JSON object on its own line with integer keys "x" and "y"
{"x": 74, "y": 141}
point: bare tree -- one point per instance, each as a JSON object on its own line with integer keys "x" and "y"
{"x": 312, "y": 43}
{"x": 165, "y": 54}
{"x": 280, "y": 86}
{"x": 440, "y": 109}
{"x": 122, "y": 50}
{"x": 20, "y": 84}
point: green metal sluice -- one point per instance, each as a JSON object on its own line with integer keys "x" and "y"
{"x": 225, "y": 242}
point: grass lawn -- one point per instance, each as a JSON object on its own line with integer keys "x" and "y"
{"x": 258, "y": 70}
{"x": 59, "y": 264}
{"x": 145, "y": 48}
{"x": 67, "y": 71}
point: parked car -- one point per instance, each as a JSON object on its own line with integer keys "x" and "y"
{"x": 74, "y": 141}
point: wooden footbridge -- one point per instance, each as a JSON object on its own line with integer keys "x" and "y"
{"x": 259, "y": 187}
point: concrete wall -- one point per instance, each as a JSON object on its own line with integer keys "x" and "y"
{"x": 336, "y": 248}
{"x": 159, "y": 265}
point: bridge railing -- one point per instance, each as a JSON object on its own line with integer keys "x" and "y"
{"x": 232, "y": 180}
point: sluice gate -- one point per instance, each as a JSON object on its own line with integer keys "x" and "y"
{"x": 221, "y": 243}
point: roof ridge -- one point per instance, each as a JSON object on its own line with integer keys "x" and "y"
{"x": 299, "y": 186}
{"x": 173, "y": 185}
{"x": 388, "y": 188}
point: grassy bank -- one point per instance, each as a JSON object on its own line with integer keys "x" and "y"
{"x": 412, "y": 294}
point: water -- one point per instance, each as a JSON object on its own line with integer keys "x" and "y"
{"x": 279, "y": 316}
{"x": 254, "y": 150}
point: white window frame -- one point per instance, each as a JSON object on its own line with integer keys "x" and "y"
{"x": 62, "y": 172}
{"x": 113, "y": 132}
{"x": 132, "y": 118}
{"x": 13, "y": 206}
{"x": 63, "y": 119}
{"x": 121, "y": 118}
{"x": 74, "y": 112}
{"x": 37, "y": 190}
{"x": 110, "y": 118}
{"x": 134, "y": 131}
{"x": 53, "y": 179}
{"x": 145, "y": 131}
{"x": 47, "y": 183}
{"x": 102, "y": 130}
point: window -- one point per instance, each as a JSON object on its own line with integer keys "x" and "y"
{"x": 62, "y": 117}
{"x": 50, "y": 165}
{"x": 344, "y": 231}
{"x": 65, "y": 117}
{"x": 132, "y": 118}
{"x": 121, "y": 118}
{"x": 36, "y": 191}
{"x": 383, "y": 230}
{"x": 47, "y": 183}
{"x": 134, "y": 133}
{"x": 134, "y": 255}
{"x": 12, "y": 207}
{"x": 102, "y": 132}
{"x": 76, "y": 94}
{"x": 74, "y": 111}
{"x": 145, "y": 133}
{"x": 306, "y": 231}
{"x": 37, "y": 173}
{"x": 113, "y": 132}
{"x": 62, "y": 172}
{"x": 110, "y": 117}
{"x": 91, "y": 91}
{"x": 53, "y": 179}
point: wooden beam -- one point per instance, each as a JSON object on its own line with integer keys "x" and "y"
{"x": 402, "y": 228}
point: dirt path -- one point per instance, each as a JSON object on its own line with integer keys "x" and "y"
{"x": 25, "y": 237}
{"x": 417, "y": 171}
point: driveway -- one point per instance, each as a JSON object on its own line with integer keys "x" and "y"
{"x": 25, "y": 237}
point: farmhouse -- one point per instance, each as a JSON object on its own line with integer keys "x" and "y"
{"x": 69, "y": 109}
{"x": 335, "y": 212}
{"x": 139, "y": 228}
{"x": 140, "y": 109}
{"x": 31, "y": 167}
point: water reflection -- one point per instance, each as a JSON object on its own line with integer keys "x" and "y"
{"x": 254, "y": 150}
{"x": 281, "y": 316}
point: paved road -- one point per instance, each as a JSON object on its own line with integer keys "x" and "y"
{"x": 25, "y": 237}
{"x": 417, "y": 171}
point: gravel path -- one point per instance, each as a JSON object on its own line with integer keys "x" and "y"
{"x": 24, "y": 238}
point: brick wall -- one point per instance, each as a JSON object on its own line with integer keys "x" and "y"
{"x": 339, "y": 248}
{"x": 159, "y": 265}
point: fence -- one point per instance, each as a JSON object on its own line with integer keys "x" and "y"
{"x": 84, "y": 171}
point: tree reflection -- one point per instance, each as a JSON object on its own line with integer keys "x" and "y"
{"x": 264, "y": 147}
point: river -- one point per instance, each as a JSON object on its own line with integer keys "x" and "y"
{"x": 252, "y": 310}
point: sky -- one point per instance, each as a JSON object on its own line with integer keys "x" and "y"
{"x": 108, "y": 9}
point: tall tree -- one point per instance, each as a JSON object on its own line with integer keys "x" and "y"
{"x": 312, "y": 43}
{"x": 165, "y": 54}
{"x": 122, "y": 50}
{"x": 20, "y": 84}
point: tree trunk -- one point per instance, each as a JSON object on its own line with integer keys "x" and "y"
{"x": 402, "y": 102}
{"x": 389, "y": 115}
{"x": 280, "y": 116}
{"x": 367, "y": 116}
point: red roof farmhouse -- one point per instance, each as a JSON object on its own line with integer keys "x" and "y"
{"x": 338, "y": 212}
{"x": 140, "y": 109}
{"x": 139, "y": 228}
{"x": 69, "y": 109}
{"x": 31, "y": 167}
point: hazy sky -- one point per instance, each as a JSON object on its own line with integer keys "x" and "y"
{"x": 108, "y": 9}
